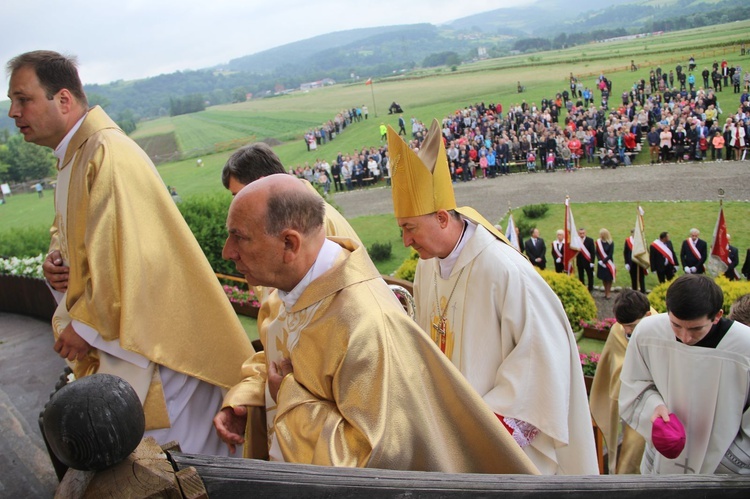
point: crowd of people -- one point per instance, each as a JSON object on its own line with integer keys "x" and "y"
{"x": 669, "y": 113}
{"x": 348, "y": 171}
{"x": 328, "y": 131}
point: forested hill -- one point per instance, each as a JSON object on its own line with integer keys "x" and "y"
{"x": 377, "y": 52}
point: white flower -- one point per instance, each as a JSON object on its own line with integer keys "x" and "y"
{"x": 26, "y": 267}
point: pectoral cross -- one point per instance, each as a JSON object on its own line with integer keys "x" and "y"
{"x": 685, "y": 467}
{"x": 439, "y": 326}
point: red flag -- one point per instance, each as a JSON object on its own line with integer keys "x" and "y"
{"x": 369, "y": 81}
{"x": 573, "y": 241}
{"x": 718, "y": 261}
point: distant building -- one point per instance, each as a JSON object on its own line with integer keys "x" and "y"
{"x": 317, "y": 84}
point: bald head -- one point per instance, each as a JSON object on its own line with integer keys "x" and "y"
{"x": 275, "y": 230}
{"x": 286, "y": 202}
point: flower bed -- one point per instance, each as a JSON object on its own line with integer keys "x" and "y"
{"x": 589, "y": 362}
{"x": 23, "y": 290}
{"x": 596, "y": 329}
{"x": 243, "y": 301}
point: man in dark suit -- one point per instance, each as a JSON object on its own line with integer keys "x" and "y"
{"x": 536, "y": 250}
{"x": 694, "y": 253}
{"x": 585, "y": 259}
{"x": 746, "y": 265}
{"x": 734, "y": 258}
{"x": 663, "y": 258}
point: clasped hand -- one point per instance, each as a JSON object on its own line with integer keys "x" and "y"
{"x": 70, "y": 345}
{"x": 55, "y": 272}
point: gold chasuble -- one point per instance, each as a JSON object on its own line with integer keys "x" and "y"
{"x": 369, "y": 388}
{"x": 137, "y": 274}
{"x": 605, "y": 392}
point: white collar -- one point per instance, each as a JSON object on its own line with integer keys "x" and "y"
{"x": 326, "y": 258}
{"x": 447, "y": 263}
{"x": 62, "y": 147}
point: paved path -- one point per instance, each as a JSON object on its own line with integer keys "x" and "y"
{"x": 29, "y": 370}
{"x": 686, "y": 182}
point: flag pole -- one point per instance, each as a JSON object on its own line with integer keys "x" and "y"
{"x": 372, "y": 91}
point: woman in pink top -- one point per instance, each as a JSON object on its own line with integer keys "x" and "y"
{"x": 665, "y": 142}
{"x": 718, "y": 142}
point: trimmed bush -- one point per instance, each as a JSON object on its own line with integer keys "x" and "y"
{"x": 380, "y": 251}
{"x": 25, "y": 242}
{"x": 524, "y": 227}
{"x": 408, "y": 268}
{"x": 575, "y": 297}
{"x": 206, "y": 216}
{"x": 731, "y": 289}
{"x": 535, "y": 210}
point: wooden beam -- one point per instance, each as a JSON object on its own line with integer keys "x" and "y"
{"x": 231, "y": 478}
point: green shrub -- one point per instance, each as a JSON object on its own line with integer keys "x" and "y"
{"x": 524, "y": 227}
{"x": 658, "y": 297}
{"x": 731, "y": 289}
{"x": 575, "y": 297}
{"x": 25, "y": 242}
{"x": 535, "y": 210}
{"x": 380, "y": 251}
{"x": 409, "y": 266}
{"x": 206, "y": 216}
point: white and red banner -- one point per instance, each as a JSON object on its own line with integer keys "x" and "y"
{"x": 573, "y": 242}
{"x": 640, "y": 248}
{"x": 510, "y": 233}
{"x": 718, "y": 260}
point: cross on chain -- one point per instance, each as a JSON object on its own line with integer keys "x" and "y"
{"x": 685, "y": 467}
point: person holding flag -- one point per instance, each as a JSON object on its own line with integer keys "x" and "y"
{"x": 585, "y": 258}
{"x": 573, "y": 244}
{"x": 734, "y": 258}
{"x": 636, "y": 254}
{"x": 694, "y": 252}
{"x": 637, "y": 273}
{"x": 511, "y": 233}
{"x": 724, "y": 257}
{"x": 605, "y": 252}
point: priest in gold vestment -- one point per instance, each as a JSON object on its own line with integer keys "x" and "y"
{"x": 492, "y": 314}
{"x": 350, "y": 379}
{"x": 140, "y": 299}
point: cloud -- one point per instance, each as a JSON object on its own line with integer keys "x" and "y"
{"x": 134, "y": 39}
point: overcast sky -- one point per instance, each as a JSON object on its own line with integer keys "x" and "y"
{"x": 130, "y": 39}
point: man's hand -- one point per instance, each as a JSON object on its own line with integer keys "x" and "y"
{"x": 591, "y": 265}
{"x": 627, "y": 267}
{"x": 276, "y": 373}
{"x": 661, "y": 411}
{"x": 687, "y": 269}
{"x": 55, "y": 272}
{"x": 230, "y": 425}
{"x": 71, "y": 346}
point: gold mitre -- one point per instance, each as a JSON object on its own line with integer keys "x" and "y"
{"x": 421, "y": 181}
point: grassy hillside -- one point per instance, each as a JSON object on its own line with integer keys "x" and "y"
{"x": 435, "y": 93}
